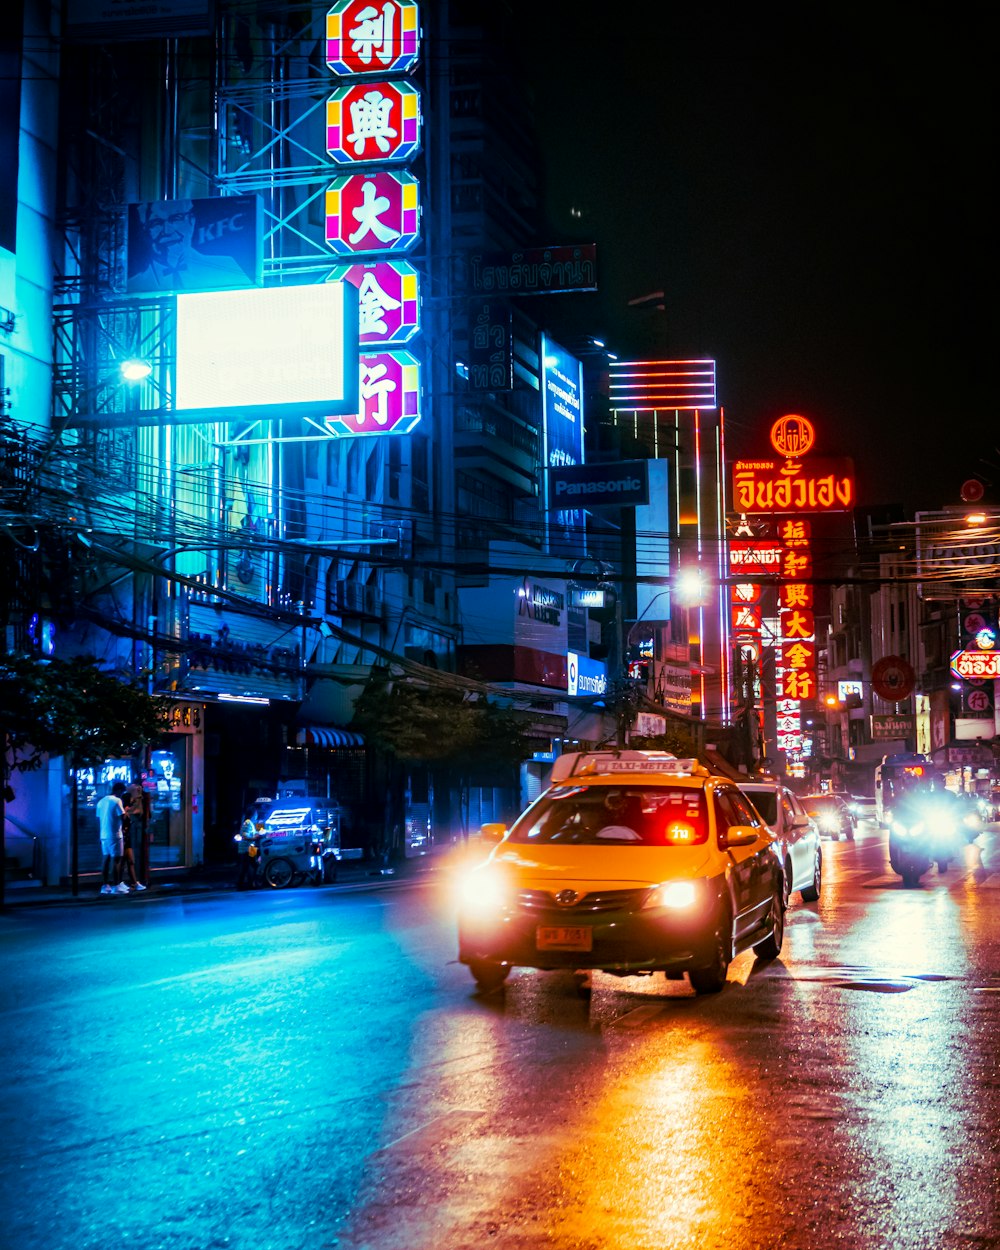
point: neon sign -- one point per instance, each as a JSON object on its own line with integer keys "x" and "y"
{"x": 792, "y": 435}
{"x": 822, "y": 485}
{"x": 969, "y": 664}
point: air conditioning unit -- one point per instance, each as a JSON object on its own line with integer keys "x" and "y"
{"x": 354, "y": 598}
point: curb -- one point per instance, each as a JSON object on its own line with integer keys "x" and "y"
{"x": 17, "y": 895}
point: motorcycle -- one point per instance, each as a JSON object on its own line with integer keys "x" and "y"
{"x": 923, "y": 834}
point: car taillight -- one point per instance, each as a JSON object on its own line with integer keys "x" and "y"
{"x": 684, "y": 833}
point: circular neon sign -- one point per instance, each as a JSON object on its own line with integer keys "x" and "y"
{"x": 792, "y": 435}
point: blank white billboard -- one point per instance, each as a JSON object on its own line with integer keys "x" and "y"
{"x": 269, "y": 352}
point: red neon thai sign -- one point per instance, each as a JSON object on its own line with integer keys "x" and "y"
{"x": 815, "y": 485}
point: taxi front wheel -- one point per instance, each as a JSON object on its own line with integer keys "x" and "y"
{"x": 712, "y": 977}
{"x": 770, "y": 948}
{"x": 488, "y": 975}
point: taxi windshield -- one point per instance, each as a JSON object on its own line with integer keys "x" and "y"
{"x": 615, "y": 815}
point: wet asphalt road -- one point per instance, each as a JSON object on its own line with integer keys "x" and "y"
{"x": 310, "y": 1070}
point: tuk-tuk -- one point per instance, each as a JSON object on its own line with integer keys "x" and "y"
{"x": 300, "y": 841}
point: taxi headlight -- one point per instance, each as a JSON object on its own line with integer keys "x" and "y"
{"x": 675, "y": 895}
{"x": 483, "y": 890}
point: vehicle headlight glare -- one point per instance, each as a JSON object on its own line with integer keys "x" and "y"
{"x": 675, "y": 895}
{"x": 483, "y": 891}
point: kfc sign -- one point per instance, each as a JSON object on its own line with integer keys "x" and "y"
{"x": 372, "y": 36}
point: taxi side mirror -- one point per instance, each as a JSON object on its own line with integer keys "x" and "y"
{"x": 800, "y": 822}
{"x": 492, "y": 832}
{"x": 740, "y": 835}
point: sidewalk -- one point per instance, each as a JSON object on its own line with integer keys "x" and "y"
{"x": 209, "y": 879}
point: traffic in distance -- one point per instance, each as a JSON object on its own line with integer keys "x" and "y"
{"x": 635, "y": 862}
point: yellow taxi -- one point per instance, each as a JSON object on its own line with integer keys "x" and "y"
{"x": 631, "y": 862}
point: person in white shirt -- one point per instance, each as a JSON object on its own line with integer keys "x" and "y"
{"x": 110, "y": 811}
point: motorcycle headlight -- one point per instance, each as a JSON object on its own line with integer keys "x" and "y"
{"x": 939, "y": 823}
{"x": 972, "y": 819}
{"x": 673, "y": 895}
{"x": 907, "y": 831}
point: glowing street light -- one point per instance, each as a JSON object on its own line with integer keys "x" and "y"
{"x": 691, "y": 587}
{"x": 135, "y": 370}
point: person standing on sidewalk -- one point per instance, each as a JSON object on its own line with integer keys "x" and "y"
{"x": 110, "y": 813}
{"x": 133, "y": 801}
{"x": 247, "y": 851}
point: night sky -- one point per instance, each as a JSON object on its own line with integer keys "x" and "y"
{"x": 809, "y": 188}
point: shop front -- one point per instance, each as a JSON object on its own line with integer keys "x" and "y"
{"x": 171, "y": 772}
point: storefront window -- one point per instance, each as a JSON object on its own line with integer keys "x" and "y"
{"x": 164, "y": 784}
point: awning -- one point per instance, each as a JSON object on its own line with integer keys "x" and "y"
{"x": 327, "y": 736}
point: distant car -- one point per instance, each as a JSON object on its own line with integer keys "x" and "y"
{"x": 796, "y": 832}
{"x": 832, "y": 813}
{"x": 862, "y": 805}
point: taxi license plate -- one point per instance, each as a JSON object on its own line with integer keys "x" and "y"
{"x": 564, "y": 938}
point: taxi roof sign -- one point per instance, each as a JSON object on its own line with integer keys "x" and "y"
{"x": 579, "y": 763}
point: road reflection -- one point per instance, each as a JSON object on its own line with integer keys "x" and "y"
{"x": 790, "y": 1110}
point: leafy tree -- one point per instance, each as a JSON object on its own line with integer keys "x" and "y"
{"x": 70, "y": 708}
{"x": 440, "y": 727}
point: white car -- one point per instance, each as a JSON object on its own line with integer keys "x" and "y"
{"x": 797, "y": 834}
{"x": 863, "y": 806}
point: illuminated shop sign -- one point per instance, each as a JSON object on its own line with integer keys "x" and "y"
{"x": 373, "y": 121}
{"x": 374, "y": 212}
{"x": 815, "y": 485}
{"x": 795, "y": 595}
{"x": 792, "y": 435}
{"x": 274, "y": 351}
{"x": 585, "y": 676}
{"x": 755, "y": 557}
{"x": 796, "y": 623}
{"x": 211, "y": 244}
{"x": 745, "y": 617}
{"x": 389, "y": 396}
{"x": 968, "y": 664}
{"x": 849, "y": 689}
{"x": 388, "y": 299}
{"x": 562, "y": 413}
{"x": 534, "y": 270}
{"x": 236, "y": 653}
{"x": 624, "y": 484}
{"x": 372, "y": 36}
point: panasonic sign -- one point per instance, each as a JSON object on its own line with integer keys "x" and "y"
{"x": 625, "y": 484}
